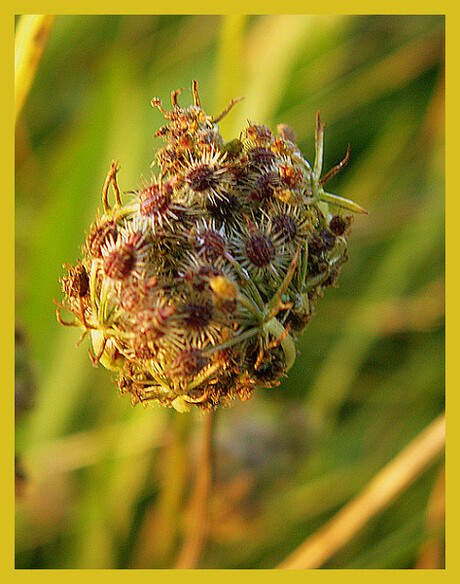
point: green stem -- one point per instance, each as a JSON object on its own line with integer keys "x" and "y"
{"x": 319, "y": 147}
{"x": 249, "y": 283}
{"x": 158, "y": 535}
{"x": 31, "y": 36}
{"x": 252, "y": 308}
{"x": 191, "y": 551}
{"x": 236, "y": 340}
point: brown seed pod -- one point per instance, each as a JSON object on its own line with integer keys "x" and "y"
{"x": 102, "y": 231}
{"x": 202, "y": 178}
{"x": 264, "y": 185}
{"x": 188, "y": 363}
{"x": 258, "y": 135}
{"x": 76, "y": 284}
{"x": 196, "y": 316}
{"x": 259, "y": 157}
{"x": 224, "y": 210}
{"x": 339, "y": 225}
{"x": 260, "y": 250}
{"x": 209, "y": 242}
{"x": 285, "y": 225}
{"x": 155, "y": 199}
{"x": 120, "y": 261}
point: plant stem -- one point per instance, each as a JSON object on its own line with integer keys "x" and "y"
{"x": 190, "y": 553}
{"x": 158, "y": 536}
{"x": 396, "y": 476}
{"x": 31, "y": 36}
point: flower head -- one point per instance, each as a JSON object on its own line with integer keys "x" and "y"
{"x": 197, "y": 289}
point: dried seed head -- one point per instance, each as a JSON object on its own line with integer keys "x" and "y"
{"x": 327, "y": 239}
{"x": 197, "y": 290}
{"x": 207, "y": 177}
{"x": 291, "y": 177}
{"x": 142, "y": 350}
{"x": 151, "y": 323}
{"x": 212, "y": 244}
{"x": 209, "y": 242}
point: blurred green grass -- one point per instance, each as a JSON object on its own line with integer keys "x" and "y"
{"x": 106, "y": 483}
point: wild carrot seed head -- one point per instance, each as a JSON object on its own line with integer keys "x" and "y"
{"x": 197, "y": 291}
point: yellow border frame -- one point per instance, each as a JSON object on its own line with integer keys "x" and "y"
{"x": 7, "y": 292}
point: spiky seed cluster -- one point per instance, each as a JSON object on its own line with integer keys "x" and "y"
{"x": 197, "y": 289}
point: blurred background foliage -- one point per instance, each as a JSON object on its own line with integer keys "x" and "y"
{"x": 105, "y": 485}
